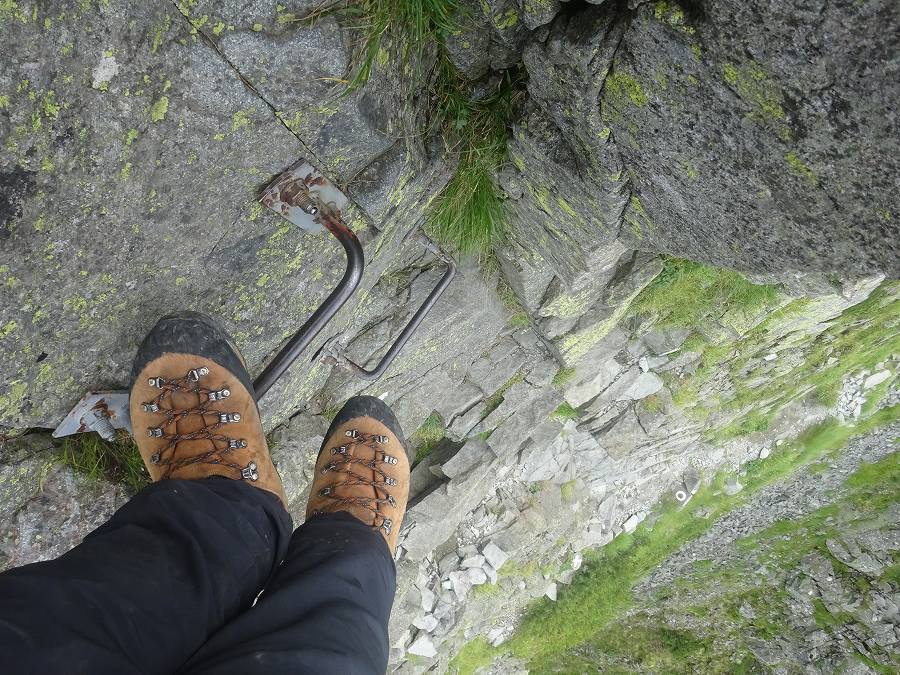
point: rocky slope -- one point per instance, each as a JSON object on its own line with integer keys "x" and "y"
{"x": 562, "y": 392}
{"x": 802, "y": 577}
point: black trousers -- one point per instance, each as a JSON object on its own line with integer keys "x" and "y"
{"x": 172, "y": 584}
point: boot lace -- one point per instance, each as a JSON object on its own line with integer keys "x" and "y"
{"x": 221, "y": 446}
{"x": 344, "y": 460}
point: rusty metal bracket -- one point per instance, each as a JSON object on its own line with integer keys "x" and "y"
{"x": 306, "y": 198}
{"x": 334, "y": 352}
{"x": 100, "y": 411}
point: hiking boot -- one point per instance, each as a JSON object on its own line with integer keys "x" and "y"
{"x": 363, "y": 468}
{"x": 193, "y": 408}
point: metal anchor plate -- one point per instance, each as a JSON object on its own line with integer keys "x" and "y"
{"x": 301, "y": 193}
{"x": 100, "y": 411}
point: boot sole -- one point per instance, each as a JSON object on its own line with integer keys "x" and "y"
{"x": 192, "y": 333}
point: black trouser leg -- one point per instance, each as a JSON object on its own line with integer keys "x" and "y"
{"x": 145, "y": 590}
{"x": 325, "y": 611}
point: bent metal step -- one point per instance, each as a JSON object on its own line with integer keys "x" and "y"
{"x": 302, "y": 195}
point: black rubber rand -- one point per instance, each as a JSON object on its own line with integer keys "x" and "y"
{"x": 367, "y": 406}
{"x": 192, "y": 333}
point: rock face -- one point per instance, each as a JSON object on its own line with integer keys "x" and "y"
{"x": 742, "y": 119}
{"x": 818, "y": 595}
{"x": 132, "y": 157}
{"x": 134, "y": 148}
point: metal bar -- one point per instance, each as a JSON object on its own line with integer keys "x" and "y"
{"x": 411, "y": 327}
{"x": 326, "y": 311}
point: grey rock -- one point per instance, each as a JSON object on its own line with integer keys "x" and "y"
{"x": 630, "y": 525}
{"x": 732, "y": 486}
{"x": 786, "y": 196}
{"x": 427, "y": 623}
{"x": 294, "y": 448}
{"x": 56, "y": 518}
{"x": 491, "y": 573}
{"x": 550, "y": 592}
{"x": 423, "y": 646}
{"x": 496, "y": 636}
{"x": 551, "y": 182}
{"x": 528, "y": 277}
{"x": 645, "y": 385}
{"x": 23, "y": 463}
{"x": 494, "y": 555}
{"x": 431, "y": 521}
{"x": 349, "y": 133}
{"x": 691, "y": 479}
{"x": 876, "y": 379}
{"x": 448, "y": 563}
{"x": 522, "y": 417}
{"x": 500, "y": 363}
{"x": 604, "y": 374}
{"x": 428, "y": 599}
{"x": 665, "y": 341}
{"x": 462, "y": 583}
{"x": 470, "y": 455}
{"x": 473, "y": 561}
{"x": 477, "y": 576}
{"x": 136, "y": 160}
{"x": 467, "y": 551}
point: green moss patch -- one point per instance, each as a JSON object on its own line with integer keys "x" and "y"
{"x": 427, "y": 436}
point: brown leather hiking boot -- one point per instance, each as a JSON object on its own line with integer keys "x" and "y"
{"x": 363, "y": 468}
{"x": 193, "y": 408}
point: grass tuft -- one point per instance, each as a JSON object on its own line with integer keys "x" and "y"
{"x": 492, "y": 402}
{"x": 419, "y": 23}
{"x": 564, "y": 412}
{"x": 427, "y": 436}
{"x": 118, "y": 461}
{"x": 687, "y": 293}
{"x": 469, "y": 215}
{"x": 563, "y": 377}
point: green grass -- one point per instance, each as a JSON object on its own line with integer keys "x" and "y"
{"x": 519, "y": 315}
{"x": 417, "y": 23}
{"x": 652, "y": 403}
{"x": 752, "y": 422}
{"x": 564, "y": 412}
{"x": 117, "y": 461}
{"x": 877, "y": 394}
{"x": 644, "y": 645}
{"x": 427, "y": 436}
{"x": 602, "y": 591}
{"x": 688, "y": 294}
{"x": 864, "y": 335}
{"x": 563, "y": 377}
{"x": 492, "y": 402}
{"x": 469, "y": 215}
{"x": 861, "y": 337}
